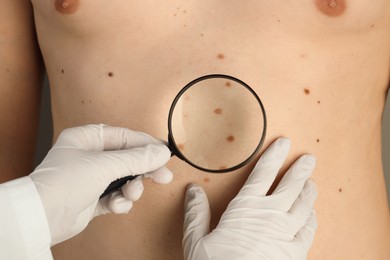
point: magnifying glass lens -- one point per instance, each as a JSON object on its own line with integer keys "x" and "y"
{"x": 217, "y": 124}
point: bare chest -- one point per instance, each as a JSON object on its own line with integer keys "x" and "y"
{"x": 305, "y": 16}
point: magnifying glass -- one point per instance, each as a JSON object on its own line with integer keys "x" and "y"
{"x": 216, "y": 123}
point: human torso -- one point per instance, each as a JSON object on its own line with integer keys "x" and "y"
{"x": 321, "y": 69}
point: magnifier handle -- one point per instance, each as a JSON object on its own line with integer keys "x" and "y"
{"x": 115, "y": 185}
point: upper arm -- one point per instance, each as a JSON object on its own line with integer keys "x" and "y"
{"x": 20, "y": 83}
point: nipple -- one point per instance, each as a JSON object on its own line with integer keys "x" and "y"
{"x": 332, "y": 3}
{"x": 332, "y": 8}
{"x": 66, "y": 6}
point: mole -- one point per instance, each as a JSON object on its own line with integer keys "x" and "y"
{"x": 62, "y": 71}
{"x": 110, "y": 74}
{"x": 340, "y": 190}
{"x": 218, "y": 111}
{"x": 181, "y": 147}
{"x": 318, "y": 140}
{"x": 331, "y": 8}
{"x": 82, "y": 101}
{"x": 66, "y": 6}
{"x": 223, "y": 167}
{"x": 228, "y": 84}
{"x": 206, "y": 180}
{"x": 318, "y": 102}
{"x": 307, "y": 91}
{"x": 221, "y": 56}
{"x": 230, "y": 138}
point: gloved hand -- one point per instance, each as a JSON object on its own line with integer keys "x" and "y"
{"x": 80, "y": 166}
{"x": 255, "y": 226}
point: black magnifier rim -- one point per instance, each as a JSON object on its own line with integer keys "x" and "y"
{"x": 171, "y": 141}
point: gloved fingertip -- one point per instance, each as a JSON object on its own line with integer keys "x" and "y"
{"x": 193, "y": 190}
{"x": 162, "y": 176}
{"x": 193, "y": 187}
{"x": 283, "y": 141}
{"x": 275, "y": 154}
{"x": 161, "y": 149}
{"x": 309, "y": 161}
{"x": 120, "y": 205}
{"x": 133, "y": 189}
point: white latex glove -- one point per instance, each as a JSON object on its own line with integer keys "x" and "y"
{"x": 255, "y": 226}
{"x": 80, "y": 166}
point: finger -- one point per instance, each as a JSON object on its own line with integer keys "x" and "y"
{"x": 305, "y": 202}
{"x": 293, "y": 181}
{"x": 305, "y": 236}
{"x": 119, "y": 204}
{"x": 102, "y": 206}
{"x": 118, "y": 138}
{"x": 88, "y": 137}
{"x": 162, "y": 175}
{"x": 99, "y": 137}
{"x": 133, "y": 189}
{"x": 303, "y": 206}
{"x": 134, "y": 161}
{"x": 266, "y": 169}
{"x": 196, "y": 218}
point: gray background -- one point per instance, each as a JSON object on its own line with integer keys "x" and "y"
{"x": 45, "y": 134}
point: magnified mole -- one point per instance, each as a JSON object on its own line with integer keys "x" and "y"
{"x": 221, "y": 56}
{"x": 230, "y": 138}
{"x": 218, "y": 111}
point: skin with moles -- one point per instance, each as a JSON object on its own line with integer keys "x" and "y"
{"x": 320, "y": 67}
